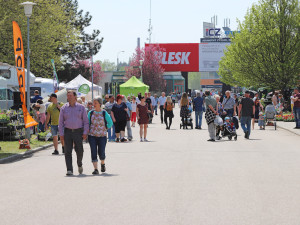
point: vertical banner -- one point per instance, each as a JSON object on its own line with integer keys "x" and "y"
{"x": 55, "y": 78}
{"x": 19, "y": 58}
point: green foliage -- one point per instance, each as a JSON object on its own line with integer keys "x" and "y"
{"x": 107, "y": 65}
{"x": 56, "y": 32}
{"x": 267, "y": 51}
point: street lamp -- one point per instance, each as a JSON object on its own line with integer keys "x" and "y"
{"x": 141, "y": 64}
{"x": 28, "y": 12}
{"x": 118, "y": 59}
{"x": 92, "y": 45}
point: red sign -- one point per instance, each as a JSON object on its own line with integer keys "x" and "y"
{"x": 179, "y": 57}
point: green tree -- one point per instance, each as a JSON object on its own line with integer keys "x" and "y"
{"x": 266, "y": 53}
{"x": 107, "y": 65}
{"x": 56, "y": 32}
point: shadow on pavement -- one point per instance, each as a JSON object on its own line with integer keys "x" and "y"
{"x": 90, "y": 175}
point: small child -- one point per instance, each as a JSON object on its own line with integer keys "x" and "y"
{"x": 261, "y": 121}
{"x": 230, "y": 125}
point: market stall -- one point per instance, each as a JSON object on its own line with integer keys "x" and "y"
{"x": 133, "y": 86}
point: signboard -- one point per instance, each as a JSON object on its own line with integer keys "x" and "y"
{"x": 209, "y": 56}
{"x": 179, "y": 57}
{"x": 207, "y": 40}
{"x": 203, "y": 57}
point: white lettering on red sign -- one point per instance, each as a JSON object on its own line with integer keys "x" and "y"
{"x": 175, "y": 58}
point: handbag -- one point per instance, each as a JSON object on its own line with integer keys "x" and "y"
{"x": 218, "y": 121}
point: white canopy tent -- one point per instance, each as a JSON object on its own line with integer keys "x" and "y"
{"x": 80, "y": 80}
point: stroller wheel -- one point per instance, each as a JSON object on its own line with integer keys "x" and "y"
{"x": 230, "y": 137}
{"x": 235, "y": 138}
{"x": 180, "y": 126}
{"x": 192, "y": 126}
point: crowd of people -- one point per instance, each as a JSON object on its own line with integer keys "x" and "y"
{"x": 101, "y": 121}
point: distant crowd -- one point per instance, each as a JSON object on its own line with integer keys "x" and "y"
{"x": 106, "y": 120}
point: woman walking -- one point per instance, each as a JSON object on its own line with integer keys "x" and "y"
{"x": 143, "y": 119}
{"x": 184, "y": 109}
{"x": 119, "y": 116}
{"x": 168, "y": 107}
{"x": 258, "y": 108}
{"x": 99, "y": 121}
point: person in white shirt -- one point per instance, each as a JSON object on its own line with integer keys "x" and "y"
{"x": 133, "y": 114}
{"x": 161, "y": 102}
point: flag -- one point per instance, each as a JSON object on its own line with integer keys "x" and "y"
{"x": 55, "y": 79}
{"x": 20, "y": 63}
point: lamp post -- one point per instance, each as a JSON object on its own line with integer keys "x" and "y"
{"x": 118, "y": 59}
{"x": 141, "y": 66}
{"x": 92, "y": 45}
{"x": 28, "y": 12}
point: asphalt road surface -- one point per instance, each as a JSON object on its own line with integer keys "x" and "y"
{"x": 176, "y": 178}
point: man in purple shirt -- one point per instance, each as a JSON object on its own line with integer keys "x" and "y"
{"x": 73, "y": 128}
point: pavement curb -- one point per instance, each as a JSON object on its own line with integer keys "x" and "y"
{"x": 13, "y": 158}
{"x": 288, "y": 130}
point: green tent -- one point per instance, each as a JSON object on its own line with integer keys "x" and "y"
{"x": 132, "y": 87}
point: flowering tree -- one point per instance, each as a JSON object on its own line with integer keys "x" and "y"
{"x": 85, "y": 69}
{"x": 151, "y": 69}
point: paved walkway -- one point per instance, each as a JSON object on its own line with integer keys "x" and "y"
{"x": 289, "y": 126}
{"x": 177, "y": 178}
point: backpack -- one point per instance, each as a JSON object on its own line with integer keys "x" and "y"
{"x": 103, "y": 114}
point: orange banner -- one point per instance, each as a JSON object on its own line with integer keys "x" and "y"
{"x": 20, "y": 64}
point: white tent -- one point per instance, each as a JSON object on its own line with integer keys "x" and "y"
{"x": 80, "y": 80}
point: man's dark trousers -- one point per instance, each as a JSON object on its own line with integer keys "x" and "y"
{"x": 161, "y": 113}
{"x": 75, "y": 137}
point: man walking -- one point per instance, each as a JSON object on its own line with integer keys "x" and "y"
{"x": 296, "y": 100}
{"x": 53, "y": 111}
{"x": 229, "y": 105}
{"x": 153, "y": 102}
{"x": 210, "y": 115}
{"x": 161, "y": 102}
{"x": 198, "y": 105}
{"x": 73, "y": 128}
{"x": 246, "y": 112}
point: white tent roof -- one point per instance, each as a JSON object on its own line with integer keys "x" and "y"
{"x": 80, "y": 80}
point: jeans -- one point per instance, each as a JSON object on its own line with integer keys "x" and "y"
{"x": 41, "y": 127}
{"x": 246, "y": 124}
{"x": 229, "y": 112}
{"x": 97, "y": 145}
{"x": 70, "y": 138}
{"x": 198, "y": 115}
{"x": 161, "y": 113}
{"x": 111, "y": 133}
{"x": 155, "y": 109}
{"x": 129, "y": 131}
{"x": 297, "y": 116}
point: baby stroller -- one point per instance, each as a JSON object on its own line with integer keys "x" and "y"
{"x": 270, "y": 116}
{"x": 227, "y": 130}
{"x": 188, "y": 121}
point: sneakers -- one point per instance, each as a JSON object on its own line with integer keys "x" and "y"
{"x": 69, "y": 173}
{"x": 55, "y": 152}
{"x": 211, "y": 140}
{"x": 141, "y": 140}
{"x": 103, "y": 168}
{"x": 63, "y": 149}
{"x": 124, "y": 140}
{"x": 95, "y": 172}
{"x": 145, "y": 140}
{"x": 80, "y": 169}
{"x": 117, "y": 140}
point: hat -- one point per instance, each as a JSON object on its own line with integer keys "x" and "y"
{"x": 247, "y": 92}
{"x": 53, "y": 95}
{"x": 227, "y": 118}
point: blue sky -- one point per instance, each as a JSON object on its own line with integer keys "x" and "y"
{"x": 173, "y": 21}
